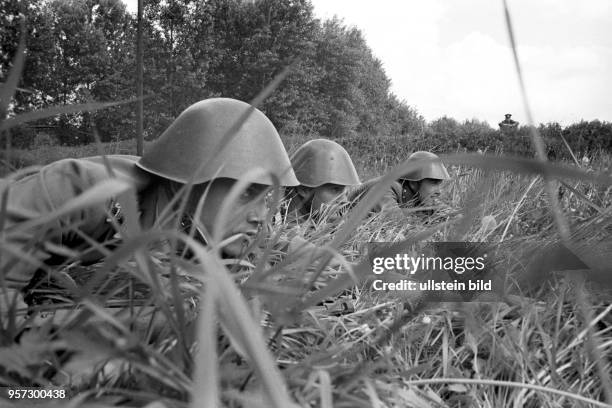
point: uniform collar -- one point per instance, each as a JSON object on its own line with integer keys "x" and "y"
{"x": 409, "y": 196}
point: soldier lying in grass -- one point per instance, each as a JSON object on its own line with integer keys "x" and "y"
{"x": 188, "y": 151}
{"x": 324, "y": 170}
{"x": 418, "y": 191}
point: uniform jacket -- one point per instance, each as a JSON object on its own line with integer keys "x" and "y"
{"x": 36, "y": 194}
{"x": 293, "y": 209}
{"x": 397, "y": 198}
{"x": 394, "y": 198}
{"x": 296, "y": 210}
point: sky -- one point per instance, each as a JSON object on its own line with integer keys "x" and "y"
{"x": 453, "y": 58}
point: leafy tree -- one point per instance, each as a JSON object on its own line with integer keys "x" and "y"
{"x": 77, "y": 51}
{"x": 37, "y": 21}
{"x": 444, "y": 132}
{"x": 339, "y": 54}
{"x": 585, "y": 137}
{"x": 82, "y": 50}
{"x": 474, "y": 134}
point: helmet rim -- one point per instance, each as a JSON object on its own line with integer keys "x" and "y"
{"x": 432, "y": 168}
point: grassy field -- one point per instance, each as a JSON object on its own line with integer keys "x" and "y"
{"x": 267, "y": 341}
{"x": 371, "y": 157}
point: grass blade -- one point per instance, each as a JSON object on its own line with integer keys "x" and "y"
{"x": 7, "y": 90}
{"x": 206, "y": 378}
{"x": 537, "y": 140}
{"x": 497, "y": 383}
{"x": 232, "y": 307}
{"x": 57, "y": 110}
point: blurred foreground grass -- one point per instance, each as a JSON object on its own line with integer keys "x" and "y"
{"x": 372, "y": 357}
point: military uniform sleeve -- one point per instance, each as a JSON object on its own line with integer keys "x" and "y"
{"x": 25, "y": 242}
{"x": 389, "y": 201}
{"x": 392, "y": 198}
{"x": 355, "y": 193}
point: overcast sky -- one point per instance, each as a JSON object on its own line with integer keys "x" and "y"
{"x": 449, "y": 57}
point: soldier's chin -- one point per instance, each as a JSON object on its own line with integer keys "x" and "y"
{"x": 427, "y": 203}
{"x": 430, "y": 201}
{"x": 236, "y": 249}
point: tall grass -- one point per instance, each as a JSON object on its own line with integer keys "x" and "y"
{"x": 323, "y": 357}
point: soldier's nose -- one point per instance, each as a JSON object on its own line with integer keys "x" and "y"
{"x": 257, "y": 214}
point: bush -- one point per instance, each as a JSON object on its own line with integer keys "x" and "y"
{"x": 448, "y": 135}
{"x": 21, "y": 137}
{"x": 68, "y": 135}
{"x": 43, "y": 139}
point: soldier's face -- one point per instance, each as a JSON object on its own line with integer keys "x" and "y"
{"x": 246, "y": 214}
{"x": 429, "y": 189}
{"x": 324, "y": 195}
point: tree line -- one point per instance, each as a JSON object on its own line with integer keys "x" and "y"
{"x": 582, "y": 138}
{"x": 84, "y": 50}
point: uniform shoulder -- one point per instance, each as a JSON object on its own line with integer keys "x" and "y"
{"x": 94, "y": 169}
{"x": 362, "y": 189}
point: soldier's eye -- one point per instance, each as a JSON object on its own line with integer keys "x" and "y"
{"x": 248, "y": 194}
{"x": 251, "y": 193}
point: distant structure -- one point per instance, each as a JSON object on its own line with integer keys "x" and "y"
{"x": 508, "y": 125}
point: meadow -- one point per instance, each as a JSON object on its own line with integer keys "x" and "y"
{"x": 270, "y": 341}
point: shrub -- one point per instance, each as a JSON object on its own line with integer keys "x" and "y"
{"x": 21, "y": 137}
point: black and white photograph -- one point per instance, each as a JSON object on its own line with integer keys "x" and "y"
{"x": 305, "y": 203}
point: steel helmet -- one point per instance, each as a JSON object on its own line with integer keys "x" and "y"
{"x": 323, "y": 161}
{"x": 190, "y": 146}
{"x": 429, "y": 169}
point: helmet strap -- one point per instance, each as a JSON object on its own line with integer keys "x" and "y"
{"x": 304, "y": 196}
{"x": 410, "y": 191}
